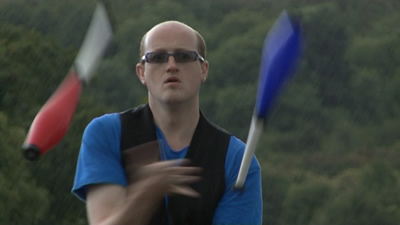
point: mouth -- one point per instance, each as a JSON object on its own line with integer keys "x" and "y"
{"x": 172, "y": 80}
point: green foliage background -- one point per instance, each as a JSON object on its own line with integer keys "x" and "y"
{"x": 330, "y": 153}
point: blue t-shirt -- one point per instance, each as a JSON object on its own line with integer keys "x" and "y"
{"x": 100, "y": 161}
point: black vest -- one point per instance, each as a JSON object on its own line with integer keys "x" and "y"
{"x": 207, "y": 150}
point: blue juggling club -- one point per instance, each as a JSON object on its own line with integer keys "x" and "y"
{"x": 280, "y": 55}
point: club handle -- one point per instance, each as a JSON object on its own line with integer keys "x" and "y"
{"x": 97, "y": 38}
{"x": 255, "y": 131}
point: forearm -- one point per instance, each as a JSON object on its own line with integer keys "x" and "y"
{"x": 133, "y": 205}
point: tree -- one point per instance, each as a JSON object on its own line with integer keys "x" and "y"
{"x": 29, "y": 62}
{"x": 326, "y": 41}
{"x": 365, "y": 196}
{"x": 23, "y": 200}
{"x": 36, "y": 64}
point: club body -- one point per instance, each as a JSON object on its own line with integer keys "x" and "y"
{"x": 54, "y": 118}
{"x": 280, "y": 54}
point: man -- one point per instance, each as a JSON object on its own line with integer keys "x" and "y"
{"x": 164, "y": 162}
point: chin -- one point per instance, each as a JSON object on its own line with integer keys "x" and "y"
{"x": 177, "y": 99}
{"x": 174, "y": 100}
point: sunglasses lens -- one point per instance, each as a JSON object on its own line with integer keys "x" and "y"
{"x": 179, "y": 56}
{"x": 184, "y": 57}
{"x": 157, "y": 57}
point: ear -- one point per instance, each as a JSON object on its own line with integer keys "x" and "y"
{"x": 204, "y": 71}
{"x": 140, "y": 73}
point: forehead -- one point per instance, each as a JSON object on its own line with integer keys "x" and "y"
{"x": 170, "y": 36}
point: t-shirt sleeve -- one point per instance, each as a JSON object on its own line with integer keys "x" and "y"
{"x": 99, "y": 158}
{"x": 240, "y": 206}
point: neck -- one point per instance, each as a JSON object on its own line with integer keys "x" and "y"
{"x": 177, "y": 122}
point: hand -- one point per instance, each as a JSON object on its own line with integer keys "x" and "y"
{"x": 167, "y": 177}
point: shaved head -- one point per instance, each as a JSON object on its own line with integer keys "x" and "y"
{"x": 200, "y": 43}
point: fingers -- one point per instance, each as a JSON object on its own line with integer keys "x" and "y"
{"x": 173, "y": 163}
{"x": 182, "y": 170}
{"x": 180, "y": 185}
{"x": 169, "y": 177}
{"x": 184, "y": 179}
{"x": 184, "y": 190}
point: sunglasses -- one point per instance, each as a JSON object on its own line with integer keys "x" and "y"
{"x": 179, "y": 56}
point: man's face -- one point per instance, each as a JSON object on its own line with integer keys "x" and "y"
{"x": 172, "y": 82}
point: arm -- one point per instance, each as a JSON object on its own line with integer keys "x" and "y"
{"x": 101, "y": 180}
{"x": 109, "y": 204}
{"x": 135, "y": 204}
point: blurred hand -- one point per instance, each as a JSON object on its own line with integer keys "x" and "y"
{"x": 167, "y": 177}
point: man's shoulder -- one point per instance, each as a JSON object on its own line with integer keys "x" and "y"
{"x": 105, "y": 120}
{"x": 236, "y": 147}
{"x": 108, "y": 117}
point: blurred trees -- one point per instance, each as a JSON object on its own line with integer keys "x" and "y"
{"x": 330, "y": 151}
{"x": 22, "y": 198}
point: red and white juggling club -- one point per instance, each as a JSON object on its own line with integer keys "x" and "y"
{"x": 280, "y": 54}
{"x": 52, "y": 121}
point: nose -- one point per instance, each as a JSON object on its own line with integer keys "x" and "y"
{"x": 171, "y": 64}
